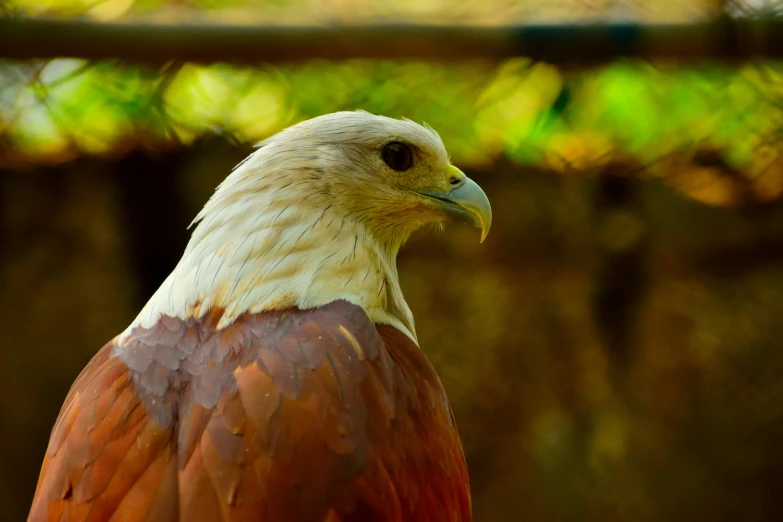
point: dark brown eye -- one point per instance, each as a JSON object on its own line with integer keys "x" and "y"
{"x": 397, "y": 156}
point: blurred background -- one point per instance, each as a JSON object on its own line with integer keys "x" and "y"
{"x": 613, "y": 351}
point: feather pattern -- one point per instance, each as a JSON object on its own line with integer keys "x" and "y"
{"x": 293, "y": 415}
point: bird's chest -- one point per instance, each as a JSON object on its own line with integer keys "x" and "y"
{"x": 296, "y": 419}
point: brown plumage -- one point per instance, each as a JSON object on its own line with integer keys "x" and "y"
{"x": 292, "y": 413}
{"x": 295, "y": 415}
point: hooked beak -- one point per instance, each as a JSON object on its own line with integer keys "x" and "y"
{"x": 466, "y": 203}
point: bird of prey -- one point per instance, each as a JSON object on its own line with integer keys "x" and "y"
{"x": 275, "y": 375}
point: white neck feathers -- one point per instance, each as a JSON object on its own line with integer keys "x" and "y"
{"x": 271, "y": 238}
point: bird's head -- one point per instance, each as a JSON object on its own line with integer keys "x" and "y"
{"x": 393, "y": 175}
{"x": 318, "y": 213}
{"x": 390, "y": 175}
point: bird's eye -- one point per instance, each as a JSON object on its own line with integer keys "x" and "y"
{"x": 397, "y": 156}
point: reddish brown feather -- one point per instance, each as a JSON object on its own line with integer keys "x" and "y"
{"x": 285, "y": 416}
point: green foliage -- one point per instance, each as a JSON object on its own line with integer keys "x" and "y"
{"x": 481, "y": 110}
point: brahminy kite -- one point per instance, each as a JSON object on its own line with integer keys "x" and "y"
{"x": 275, "y": 375}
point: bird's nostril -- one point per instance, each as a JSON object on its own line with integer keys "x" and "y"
{"x": 454, "y": 181}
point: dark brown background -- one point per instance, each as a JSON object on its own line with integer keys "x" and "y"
{"x": 612, "y": 350}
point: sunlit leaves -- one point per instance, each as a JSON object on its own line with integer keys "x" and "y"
{"x": 531, "y": 113}
{"x": 246, "y": 104}
{"x": 515, "y": 101}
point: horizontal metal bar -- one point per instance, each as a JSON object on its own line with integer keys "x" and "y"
{"x": 724, "y": 39}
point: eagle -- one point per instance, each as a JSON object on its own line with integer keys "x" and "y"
{"x": 275, "y": 375}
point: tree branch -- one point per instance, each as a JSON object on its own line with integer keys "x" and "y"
{"x": 724, "y": 39}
